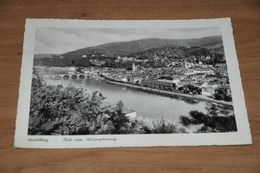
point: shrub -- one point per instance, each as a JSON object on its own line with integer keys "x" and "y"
{"x": 211, "y": 122}
{"x": 55, "y": 110}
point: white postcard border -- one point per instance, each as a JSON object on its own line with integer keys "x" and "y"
{"x": 22, "y": 140}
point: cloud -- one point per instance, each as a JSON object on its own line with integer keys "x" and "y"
{"x": 61, "y": 40}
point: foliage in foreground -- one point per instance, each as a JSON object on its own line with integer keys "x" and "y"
{"x": 213, "y": 121}
{"x": 58, "y": 110}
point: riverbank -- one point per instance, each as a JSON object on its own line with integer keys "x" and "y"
{"x": 171, "y": 94}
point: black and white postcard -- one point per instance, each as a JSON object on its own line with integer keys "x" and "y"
{"x": 94, "y": 84}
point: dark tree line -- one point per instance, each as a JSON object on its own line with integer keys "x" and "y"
{"x": 211, "y": 121}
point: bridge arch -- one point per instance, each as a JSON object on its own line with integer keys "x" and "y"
{"x": 57, "y": 77}
{"x": 74, "y": 76}
{"x": 66, "y": 77}
{"x": 81, "y": 76}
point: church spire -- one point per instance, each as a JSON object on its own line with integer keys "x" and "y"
{"x": 133, "y": 67}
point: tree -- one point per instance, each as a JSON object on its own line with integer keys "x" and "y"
{"x": 119, "y": 119}
{"x": 211, "y": 122}
{"x": 120, "y": 105}
{"x": 222, "y": 94}
{"x": 212, "y": 110}
{"x": 58, "y": 110}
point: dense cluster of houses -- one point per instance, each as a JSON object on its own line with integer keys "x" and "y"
{"x": 206, "y": 77}
{"x": 174, "y": 75}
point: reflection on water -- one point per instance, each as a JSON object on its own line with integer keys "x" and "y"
{"x": 145, "y": 104}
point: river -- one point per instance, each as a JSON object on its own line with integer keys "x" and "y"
{"x": 145, "y": 104}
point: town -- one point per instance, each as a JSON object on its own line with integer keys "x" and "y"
{"x": 192, "y": 75}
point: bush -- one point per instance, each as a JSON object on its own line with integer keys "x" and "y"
{"x": 55, "y": 110}
{"x": 222, "y": 94}
{"x": 210, "y": 122}
{"x": 155, "y": 126}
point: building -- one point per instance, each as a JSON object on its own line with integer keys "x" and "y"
{"x": 136, "y": 80}
{"x": 227, "y": 87}
{"x": 178, "y": 70}
{"x": 133, "y": 67}
{"x": 124, "y": 79}
{"x": 208, "y": 57}
{"x": 221, "y": 66}
{"x": 189, "y": 65}
{"x": 209, "y": 88}
{"x": 185, "y": 82}
{"x": 203, "y": 71}
{"x": 128, "y": 112}
{"x": 154, "y": 83}
{"x": 71, "y": 68}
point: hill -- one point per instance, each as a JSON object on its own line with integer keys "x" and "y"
{"x": 145, "y": 48}
{"x": 136, "y": 46}
{"x": 46, "y": 55}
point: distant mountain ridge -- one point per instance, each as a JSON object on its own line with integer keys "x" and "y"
{"x": 142, "y": 49}
{"x": 40, "y": 55}
{"x": 135, "y": 46}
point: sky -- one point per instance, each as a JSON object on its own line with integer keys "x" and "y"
{"x": 62, "y": 40}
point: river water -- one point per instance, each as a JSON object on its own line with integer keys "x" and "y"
{"x": 145, "y": 104}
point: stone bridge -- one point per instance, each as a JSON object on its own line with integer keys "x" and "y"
{"x": 65, "y": 76}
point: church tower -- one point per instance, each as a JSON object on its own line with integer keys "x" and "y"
{"x": 186, "y": 65}
{"x": 133, "y": 67}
